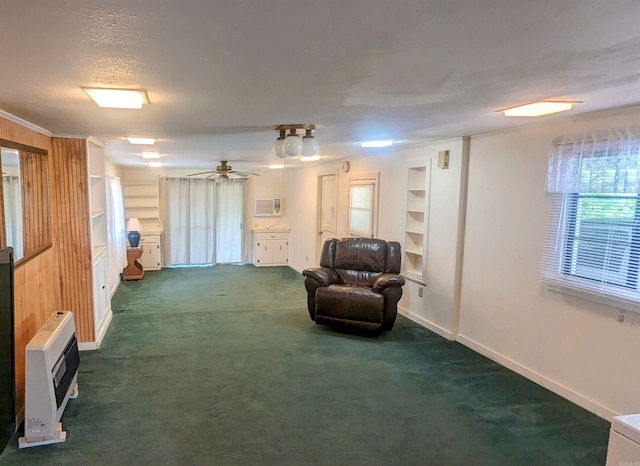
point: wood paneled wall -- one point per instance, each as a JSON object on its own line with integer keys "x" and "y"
{"x": 71, "y": 223}
{"x": 35, "y": 291}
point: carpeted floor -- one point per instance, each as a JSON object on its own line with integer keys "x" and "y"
{"x": 222, "y": 366}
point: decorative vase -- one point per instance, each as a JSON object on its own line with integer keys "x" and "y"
{"x": 134, "y": 238}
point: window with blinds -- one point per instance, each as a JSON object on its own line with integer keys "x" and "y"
{"x": 593, "y": 241}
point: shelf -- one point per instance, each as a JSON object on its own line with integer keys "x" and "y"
{"x": 418, "y": 190}
{"x": 414, "y": 232}
{"x": 415, "y": 211}
{"x": 97, "y": 250}
{"x": 97, "y": 213}
{"x": 96, "y": 177}
{"x": 415, "y": 253}
{"x": 414, "y": 277}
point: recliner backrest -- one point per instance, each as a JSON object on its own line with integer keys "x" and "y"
{"x": 359, "y": 261}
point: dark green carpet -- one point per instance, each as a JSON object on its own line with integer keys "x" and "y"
{"x": 222, "y": 366}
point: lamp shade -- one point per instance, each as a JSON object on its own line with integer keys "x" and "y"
{"x": 309, "y": 146}
{"x": 133, "y": 224}
{"x": 292, "y": 145}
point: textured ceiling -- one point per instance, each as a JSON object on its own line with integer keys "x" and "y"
{"x": 220, "y": 74}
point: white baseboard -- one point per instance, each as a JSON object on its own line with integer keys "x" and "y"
{"x": 94, "y": 345}
{"x": 540, "y": 379}
{"x": 443, "y": 332}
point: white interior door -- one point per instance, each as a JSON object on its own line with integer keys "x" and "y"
{"x": 326, "y": 210}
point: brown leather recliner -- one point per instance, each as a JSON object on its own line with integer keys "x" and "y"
{"x": 357, "y": 284}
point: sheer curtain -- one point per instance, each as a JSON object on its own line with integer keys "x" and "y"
{"x": 13, "y": 214}
{"x": 117, "y": 243}
{"x": 189, "y": 213}
{"x": 230, "y": 222}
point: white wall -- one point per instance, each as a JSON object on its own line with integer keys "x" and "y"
{"x": 438, "y": 307}
{"x": 573, "y": 346}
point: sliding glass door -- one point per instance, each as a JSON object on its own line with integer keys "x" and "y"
{"x": 203, "y": 221}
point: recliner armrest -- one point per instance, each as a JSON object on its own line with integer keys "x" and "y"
{"x": 386, "y": 280}
{"x": 322, "y": 275}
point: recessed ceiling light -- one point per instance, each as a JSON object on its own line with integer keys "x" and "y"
{"x": 144, "y": 141}
{"x": 538, "y": 109}
{"x": 151, "y": 155}
{"x": 311, "y": 158}
{"x": 381, "y": 143}
{"x": 277, "y": 165}
{"x": 117, "y": 98}
{"x": 155, "y": 164}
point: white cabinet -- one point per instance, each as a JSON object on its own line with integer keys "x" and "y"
{"x": 151, "y": 258}
{"x": 98, "y": 229}
{"x": 270, "y": 247}
{"x": 415, "y": 228}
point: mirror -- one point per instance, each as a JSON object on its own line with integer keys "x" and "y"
{"x": 26, "y": 213}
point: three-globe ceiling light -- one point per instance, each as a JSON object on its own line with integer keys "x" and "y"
{"x": 291, "y": 145}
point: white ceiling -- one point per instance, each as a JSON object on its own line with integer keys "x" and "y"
{"x": 221, "y": 73}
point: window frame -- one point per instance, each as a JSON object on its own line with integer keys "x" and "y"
{"x": 371, "y": 179}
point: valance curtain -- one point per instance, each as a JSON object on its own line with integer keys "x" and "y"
{"x": 13, "y": 214}
{"x": 607, "y": 162}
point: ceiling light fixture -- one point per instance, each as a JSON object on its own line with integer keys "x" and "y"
{"x": 311, "y": 158}
{"x": 142, "y": 141}
{"x": 151, "y": 155}
{"x": 155, "y": 164}
{"x": 538, "y": 108}
{"x": 117, "y": 98}
{"x": 378, "y": 143}
{"x": 290, "y": 145}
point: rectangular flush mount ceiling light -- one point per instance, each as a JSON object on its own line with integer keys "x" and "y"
{"x": 538, "y": 109}
{"x": 143, "y": 141}
{"x": 151, "y": 155}
{"x": 117, "y": 98}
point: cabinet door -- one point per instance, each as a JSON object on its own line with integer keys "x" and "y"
{"x": 264, "y": 252}
{"x": 280, "y": 251}
{"x": 100, "y": 290}
{"x": 150, "y": 258}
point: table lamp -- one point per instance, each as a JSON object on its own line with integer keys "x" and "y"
{"x": 134, "y": 227}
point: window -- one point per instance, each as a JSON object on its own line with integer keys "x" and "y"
{"x": 593, "y": 242}
{"x": 363, "y": 206}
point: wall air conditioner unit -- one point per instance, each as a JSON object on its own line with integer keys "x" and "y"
{"x": 267, "y": 207}
{"x": 51, "y": 375}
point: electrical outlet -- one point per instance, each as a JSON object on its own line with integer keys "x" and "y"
{"x": 420, "y": 291}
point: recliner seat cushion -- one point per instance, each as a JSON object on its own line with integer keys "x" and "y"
{"x": 354, "y": 303}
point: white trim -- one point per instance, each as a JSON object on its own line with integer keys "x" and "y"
{"x": 556, "y": 387}
{"x": 94, "y": 345}
{"x": 25, "y": 123}
{"x": 443, "y": 332}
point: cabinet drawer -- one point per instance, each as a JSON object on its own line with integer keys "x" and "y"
{"x": 149, "y": 239}
{"x": 271, "y": 236}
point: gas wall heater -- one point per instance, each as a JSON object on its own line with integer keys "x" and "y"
{"x": 51, "y": 375}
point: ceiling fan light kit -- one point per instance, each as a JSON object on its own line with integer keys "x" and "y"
{"x": 291, "y": 145}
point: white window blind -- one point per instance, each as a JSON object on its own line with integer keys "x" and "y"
{"x": 363, "y": 206}
{"x": 593, "y": 239}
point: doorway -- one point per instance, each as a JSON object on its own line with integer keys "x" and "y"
{"x": 327, "y": 209}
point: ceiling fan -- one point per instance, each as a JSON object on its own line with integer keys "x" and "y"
{"x": 224, "y": 173}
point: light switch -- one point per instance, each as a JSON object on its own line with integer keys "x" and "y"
{"x": 443, "y": 159}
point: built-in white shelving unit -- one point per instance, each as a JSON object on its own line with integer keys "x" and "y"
{"x": 415, "y": 228}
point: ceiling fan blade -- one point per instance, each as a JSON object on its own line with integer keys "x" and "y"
{"x": 202, "y": 173}
{"x": 243, "y": 173}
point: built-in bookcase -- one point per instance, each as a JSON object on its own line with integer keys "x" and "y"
{"x": 416, "y": 224}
